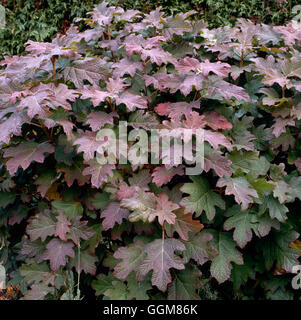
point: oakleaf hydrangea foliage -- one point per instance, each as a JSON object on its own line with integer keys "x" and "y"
{"x": 150, "y": 231}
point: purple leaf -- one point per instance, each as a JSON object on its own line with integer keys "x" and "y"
{"x": 36, "y": 102}
{"x": 85, "y": 262}
{"x": 24, "y": 154}
{"x": 79, "y": 230}
{"x": 57, "y": 251}
{"x": 157, "y": 56}
{"x": 188, "y": 64}
{"x": 126, "y": 66}
{"x": 88, "y": 144}
{"x": 99, "y": 173}
{"x": 280, "y": 126}
{"x": 216, "y": 121}
{"x": 91, "y": 69}
{"x": 160, "y": 258}
{"x": 132, "y": 101}
{"x": 216, "y": 139}
{"x": 113, "y": 214}
{"x": 97, "y": 120}
{"x": 115, "y": 86}
{"x": 240, "y": 188}
{"x": 175, "y": 110}
{"x": 131, "y": 257}
{"x": 11, "y": 126}
{"x": 214, "y": 160}
{"x": 219, "y": 68}
{"x": 74, "y": 173}
{"x": 62, "y": 226}
{"x": 162, "y": 176}
{"x": 164, "y": 210}
{"x": 95, "y": 95}
{"x": 183, "y": 225}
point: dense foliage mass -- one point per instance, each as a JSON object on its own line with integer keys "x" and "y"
{"x": 40, "y": 20}
{"x": 72, "y": 227}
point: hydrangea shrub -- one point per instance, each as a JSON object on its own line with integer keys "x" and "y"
{"x": 72, "y": 226}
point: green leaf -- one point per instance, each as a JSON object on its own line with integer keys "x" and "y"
{"x": 100, "y": 200}
{"x": 41, "y": 226}
{"x": 282, "y": 191}
{"x": 35, "y": 272}
{"x": 199, "y": 248}
{"x": 243, "y": 139}
{"x": 276, "y": 209}
{"x": 265, "y": 224}
{"x": 82, "y": 105}
{"x": 295, "y": 184}
{"x": 64, "y": 152}
{"x": 221, "y": 265}
{"x": 70, "y": 208}
{"x": 102, "y": 283}
{"x": 117, "y": 291}
{"x": 277, "y": 288}
{"x": 262, "y": 187}
{"x": 243, "y": 223}
{"x": 7, "y": 198}
{"x": 201, "y": 198}
{"x": 248, "y": 161}
{"x": 37, "y": 292}
{"x": 241, "y": 273}
{"x": 276, "y": 248}
{"x": 45, "y": 181}
{"x": 138, "y": 289}
{"x": 59, "y": 114}
{"x": 185, "y": 285}
{"x": 139, "y": 119}
{"x": 263, "y": 136}
{"x": 131, "y": 256}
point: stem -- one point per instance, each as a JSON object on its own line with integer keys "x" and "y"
{"x": 242, "y": 58}
{"x": 34, "y": 124}
{"x": 113, "y": 56}
{"x": 46, "y": 132}
{"x": 111, "y": 104}
{"x": 240, "y": 65}
{"x": 53, "y": 59}
{"x": 297, "y": 129}
{"x": 155, "y": 32}
{"x": 144, "y": 69}
{"x": 109, "y": 32}
{"x": 283, "y": 91}
{"x": 53, "y": 64}
{"x": 78, "y": 272}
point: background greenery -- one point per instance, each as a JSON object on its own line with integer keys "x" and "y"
{"x": 40, "y": 20}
